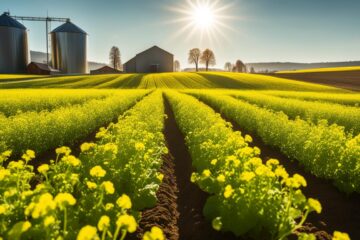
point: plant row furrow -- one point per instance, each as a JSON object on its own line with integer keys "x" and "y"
{"x": 248, "y": 197}
{"x": 327, "y": 151}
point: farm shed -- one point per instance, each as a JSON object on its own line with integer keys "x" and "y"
{"x": 152, "y": 60}
{"x": 41, "y": 69}
{"x": 105, "y": 70}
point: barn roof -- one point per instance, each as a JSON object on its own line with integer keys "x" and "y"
{"x": 7, "y": 21}
{"x": 154, "y": 47}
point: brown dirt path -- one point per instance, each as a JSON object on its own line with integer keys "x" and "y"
{"x": 339, "y": 211}
{"x": 191, "y": 199}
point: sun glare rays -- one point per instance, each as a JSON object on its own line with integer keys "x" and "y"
{"x": 203, "y": 21}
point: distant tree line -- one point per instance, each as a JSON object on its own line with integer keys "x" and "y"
{"x": 239, "y": 66}
{"x": 207, "y": 57}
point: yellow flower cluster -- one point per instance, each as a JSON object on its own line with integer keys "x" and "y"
{"x": 228, "y": 191}
{"x": 124, "y": 202}
{"x": 127, "y": 222}
{"x": 103, "y": 223}
{"x": 87, "y": 146}
{"x": 109, "y": 187}
{"x": 88, "y": 233}
{"x": 64, "y": 199}
{"x": 97, "y": 171}
{"x": 155, "y": 234}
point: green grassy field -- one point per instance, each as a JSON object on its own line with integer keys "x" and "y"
{"x": 165, "y": 80}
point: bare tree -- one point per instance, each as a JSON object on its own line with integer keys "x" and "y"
{"x": 240, "y": 66}
{"x": 115, "y": 58}
{"x": 176, "y": 66}
{"x": 228, "y": 66}
{"x": 208, "y": 58}
{"x": 194, "y": 57}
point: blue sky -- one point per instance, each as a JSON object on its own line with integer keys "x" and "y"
{"x": 263, "y": 30}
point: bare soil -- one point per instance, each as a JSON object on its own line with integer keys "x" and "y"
{"x": 186, "y": 221}
{"x": 345, "y": 79}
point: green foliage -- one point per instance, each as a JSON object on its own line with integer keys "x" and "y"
{"x": 97, "y": 194}
{"x": 314, "y": 111}
{"x": 63, "y": 126}
{"x": 19, "y": 101}
{"x": 247, "y": 196}
{"x": 325, "y": 150}
{"x": 352, "y": 99}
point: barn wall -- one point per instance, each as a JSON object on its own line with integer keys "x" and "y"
{"x": 130, "y": 66}
{"x": 152, "y": 57}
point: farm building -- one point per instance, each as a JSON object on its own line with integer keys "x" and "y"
{"x": 41, "y": 69}
{"x": 105, "y": 70}
{"x": 152, "y": 60}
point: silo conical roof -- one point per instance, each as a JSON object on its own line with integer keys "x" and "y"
{"x": 7, "y": 21}
{"x": 69, "y": 27}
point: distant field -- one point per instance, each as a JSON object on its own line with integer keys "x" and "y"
{"x": 334, "y": 69}
{"x": 165, "y": 80}
{"x": 342, "y": 77}
{"x": 13, "y": 77}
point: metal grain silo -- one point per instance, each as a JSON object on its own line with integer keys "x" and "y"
{"x": 68, "y": 45}
{"x": 13, "y": 45}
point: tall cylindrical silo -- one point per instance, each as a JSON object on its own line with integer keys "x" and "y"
{"x": 13, "y": 45}
{"x": 68, "y": 45}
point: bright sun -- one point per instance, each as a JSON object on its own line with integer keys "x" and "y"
{"x": 203, "y": 16}
{"x": 204, "y": 20}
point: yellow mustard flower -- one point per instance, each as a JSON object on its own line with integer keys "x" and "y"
{"x": 109, "y": 187}
{"x": 109, "y": 206}
{"x": 281, "y": 172}
{"x": 314, "y": 204}
{"x": 248, "y": 138}
{"x": 64, "y": 199}
{"x": 213, "y": 162}
{"x": 155, "y": 234}
{"x": 97, "y": 171}
{"x": 88, "y": 233}
{"x": 4, "y": 173}
{"x": 41, "y": 208}
{"x": 63, "y": 150}
{"x": 228, "y": 191}
{"x": 91, "y": 185}
{"x": 139, "y": 146}
{"x": 3, "y": 208}
{"x": 221, "y": 178}
{"x": 160, "y": 176}
{"x": 340, "y": 236}
{"x": 127, "y": 222}
{"x": 87, "y": 146}
{"x": 247, "y": 176}
{"x": 272, "y": 162}
{"x": 103, "y": 223}
{"x": 43, "y": 168}
{"x": 49, "y": 220}
{"x": 206, "y": 173}
{"x": 124, "y": 202}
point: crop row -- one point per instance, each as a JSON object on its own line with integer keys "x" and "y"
{"x": 19, "y": 101}
{"x": 335, "y": 113}
{"x": 327, "y": 151}
{"x": 248, "y": 197}
{"x": 340, "y": 98}
{"x": 98, "y": 194}
{"x": 63, "y": 126}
